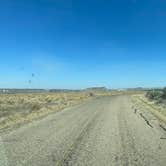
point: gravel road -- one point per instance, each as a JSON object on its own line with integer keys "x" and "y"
{"x": 102, "y": 132}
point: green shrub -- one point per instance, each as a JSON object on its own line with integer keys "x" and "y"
{"x": 154, "y": 94}
{"x": 164, "y": 93}
{"x": 158, "y": 95}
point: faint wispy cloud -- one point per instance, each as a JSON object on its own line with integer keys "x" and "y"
{"x": 47, "y": 63}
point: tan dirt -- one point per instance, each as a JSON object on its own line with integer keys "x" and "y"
{"x": 102, "y": 132}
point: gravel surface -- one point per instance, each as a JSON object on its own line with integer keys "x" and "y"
{"x": 102, "y": 132}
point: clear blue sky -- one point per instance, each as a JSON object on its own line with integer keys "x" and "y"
{"x": 82, "y": 43}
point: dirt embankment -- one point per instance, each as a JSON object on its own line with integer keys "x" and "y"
{"x": 144, "y": 104}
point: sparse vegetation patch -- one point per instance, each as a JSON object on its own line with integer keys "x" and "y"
{"x": 16, "y": 109}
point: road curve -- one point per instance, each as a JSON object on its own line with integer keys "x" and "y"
{"x": 102, "y": 132}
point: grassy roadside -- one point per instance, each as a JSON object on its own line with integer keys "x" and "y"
{"x": 143, "y": 103}
{"x": 17, "y": 109}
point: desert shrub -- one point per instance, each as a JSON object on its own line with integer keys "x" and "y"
{"x": 49, "y": 99}
{"x": 91, "y": 94}
{"x": 10, "y": 102}
{"x": 158, "y": 95}
{"x": 164, "y": 93}
{"x": 154, "y": 94}
{"x": 35, "y": 106}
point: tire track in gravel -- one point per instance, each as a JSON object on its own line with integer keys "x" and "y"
{"x": 102, "y": 132}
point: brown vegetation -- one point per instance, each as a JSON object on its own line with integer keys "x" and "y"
{"x": 21, "y": 108}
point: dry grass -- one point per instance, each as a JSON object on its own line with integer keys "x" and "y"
{"x": 16, "y": 109}
{"x": 21, "y": 108}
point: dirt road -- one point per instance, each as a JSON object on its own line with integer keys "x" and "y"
{"x": 102, "y": 132}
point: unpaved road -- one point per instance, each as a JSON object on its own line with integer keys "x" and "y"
{"x": 101, "y": 132}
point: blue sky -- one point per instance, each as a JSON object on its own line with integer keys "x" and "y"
{"x": 82, "y": 43}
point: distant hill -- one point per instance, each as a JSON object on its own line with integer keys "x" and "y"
{"x": 97, "y": 89}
